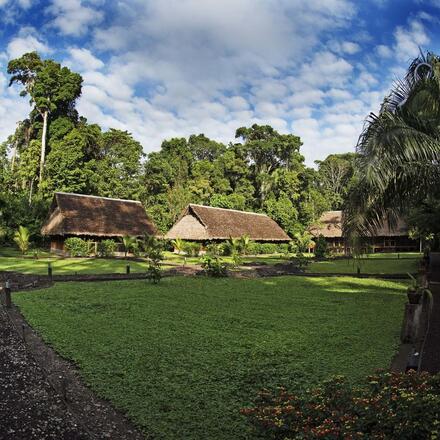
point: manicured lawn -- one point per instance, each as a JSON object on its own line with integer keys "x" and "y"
{"x": 63, "y": 266}
{"x": 367, "y": 265}
{"x": 181, "y": 358}
{"x": 10, "y": 259}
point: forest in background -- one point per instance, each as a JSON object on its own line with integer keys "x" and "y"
{"x": 56, "y": 149}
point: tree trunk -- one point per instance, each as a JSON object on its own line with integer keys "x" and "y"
{"x": 14, "y": 153}
{"x": 43, "y": 145}
{"x": 30, "y": 191}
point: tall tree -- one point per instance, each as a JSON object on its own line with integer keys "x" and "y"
{"x": 51, "y": 88}
{"x": 267, "y": 151}
{"x": 335, "y": 175}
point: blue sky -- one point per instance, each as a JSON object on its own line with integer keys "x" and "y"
{"x": 165, "y": 68}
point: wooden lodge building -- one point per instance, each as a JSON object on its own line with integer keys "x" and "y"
{"x": 94, "y": 218}
{"x": 204, "y": 223}
{"x": 385, "y": 239}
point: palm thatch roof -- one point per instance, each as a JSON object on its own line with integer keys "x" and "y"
{"x": 330, "y": 226}
{"x": 77, "y": 214}
{"x": 198, "y": 222}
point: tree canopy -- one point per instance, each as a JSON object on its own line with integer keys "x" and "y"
{"x": 262, "y": 171}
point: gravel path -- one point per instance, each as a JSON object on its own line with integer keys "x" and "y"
{"x": 29, "y": 407}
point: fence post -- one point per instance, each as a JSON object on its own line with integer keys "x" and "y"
{"x": 8, "y": 302}
{"x": 49, "y": 270}
{"x": 127, "y": 269}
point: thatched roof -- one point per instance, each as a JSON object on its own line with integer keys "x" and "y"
{"x": 77, "y": 214}
{"x": 198, "y": 222}
{"x": 330, "y": 226}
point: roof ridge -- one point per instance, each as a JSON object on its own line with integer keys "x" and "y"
{"x": 97, "y": 197}
{"x": 228, "y": 209}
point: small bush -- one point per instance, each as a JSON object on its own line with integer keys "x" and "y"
{"x": 321, "y": 247}
{"x": 153, "y": 251}
{"x": 386, "y": 406}
{"x": 107, "y": 248}
{"x": 269, "y": 248}
{"x": 214, "y": 249}
{"x": 135, "y": 249}
{"x": 192, "y": 249}
{"x": 254, "y": 248}
{"x": 77, "y": 247}
{"x": 300, "y": 261}
{"x": 214, "y": 267}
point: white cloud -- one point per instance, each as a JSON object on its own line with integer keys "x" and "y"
{"x": 344, "y": 47}
{"x": 383, "y": 51}
{"x": 410, "y": 39}
{"x": 177, "y": 67}
{"x": 83, "y": 59}
{"x": 73, "y": 17}
{"x": 26, "y": 41}
{"x": 24, "y": 4}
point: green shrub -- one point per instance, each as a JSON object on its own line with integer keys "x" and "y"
{"x": 77, "y": 247}
{"x": 135, "y": 249}
{"x": 22, "y": 238}
{"x": 214, "y": 266}
{"x": 300, "y": 261}
{"x": 386, "y": 406}
{"x": 321, "y": 247}
{"x": 192, "y": 249}
{"x": 107, "y": 248}
{"x": 283, "y": 248}
{"x": 214, "y": 249}
{"x": 153, "y": 251}
{"x": 269, "y": 248}
{"x": 254, "y": 248}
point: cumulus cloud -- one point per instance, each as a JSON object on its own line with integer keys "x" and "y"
{"x": 73, "y": 17}
{"x": 83, "y": 59}
{"x": 213, "y": 66}
{"x": 410, "y": 39}
{"x": 27, "y": 40}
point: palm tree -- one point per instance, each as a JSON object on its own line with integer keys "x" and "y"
{"x": 303, "y": 241}
{"x": 244, "y": 244}
{"x": 21, "y": 238}
{"x": 399, "y": 151}
{"x": 128, "y": 242}
{"x": 179, "y": 245}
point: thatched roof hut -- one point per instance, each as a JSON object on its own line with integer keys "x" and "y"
{"x": 330, "y": 226}
{"x": 203, "y": 223}
{"x": 91, "y": 216}
{"x": 385, "y": 239}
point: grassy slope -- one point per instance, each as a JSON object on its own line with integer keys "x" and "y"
{"x": 182, "y": 357}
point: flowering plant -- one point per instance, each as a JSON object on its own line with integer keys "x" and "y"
{"x": 386, "y": 406}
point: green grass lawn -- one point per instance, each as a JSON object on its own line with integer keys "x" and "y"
{"x": 182, "y": 357}
{"x": 367, "y": 265}
{"x": 65, "y": 266}
{"x": 11, "y": 259}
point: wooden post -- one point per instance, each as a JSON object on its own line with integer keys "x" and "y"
{"x": 127, "y": 269}
{"x": 7, "y": 290}
{"x": 49, "y": 270}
